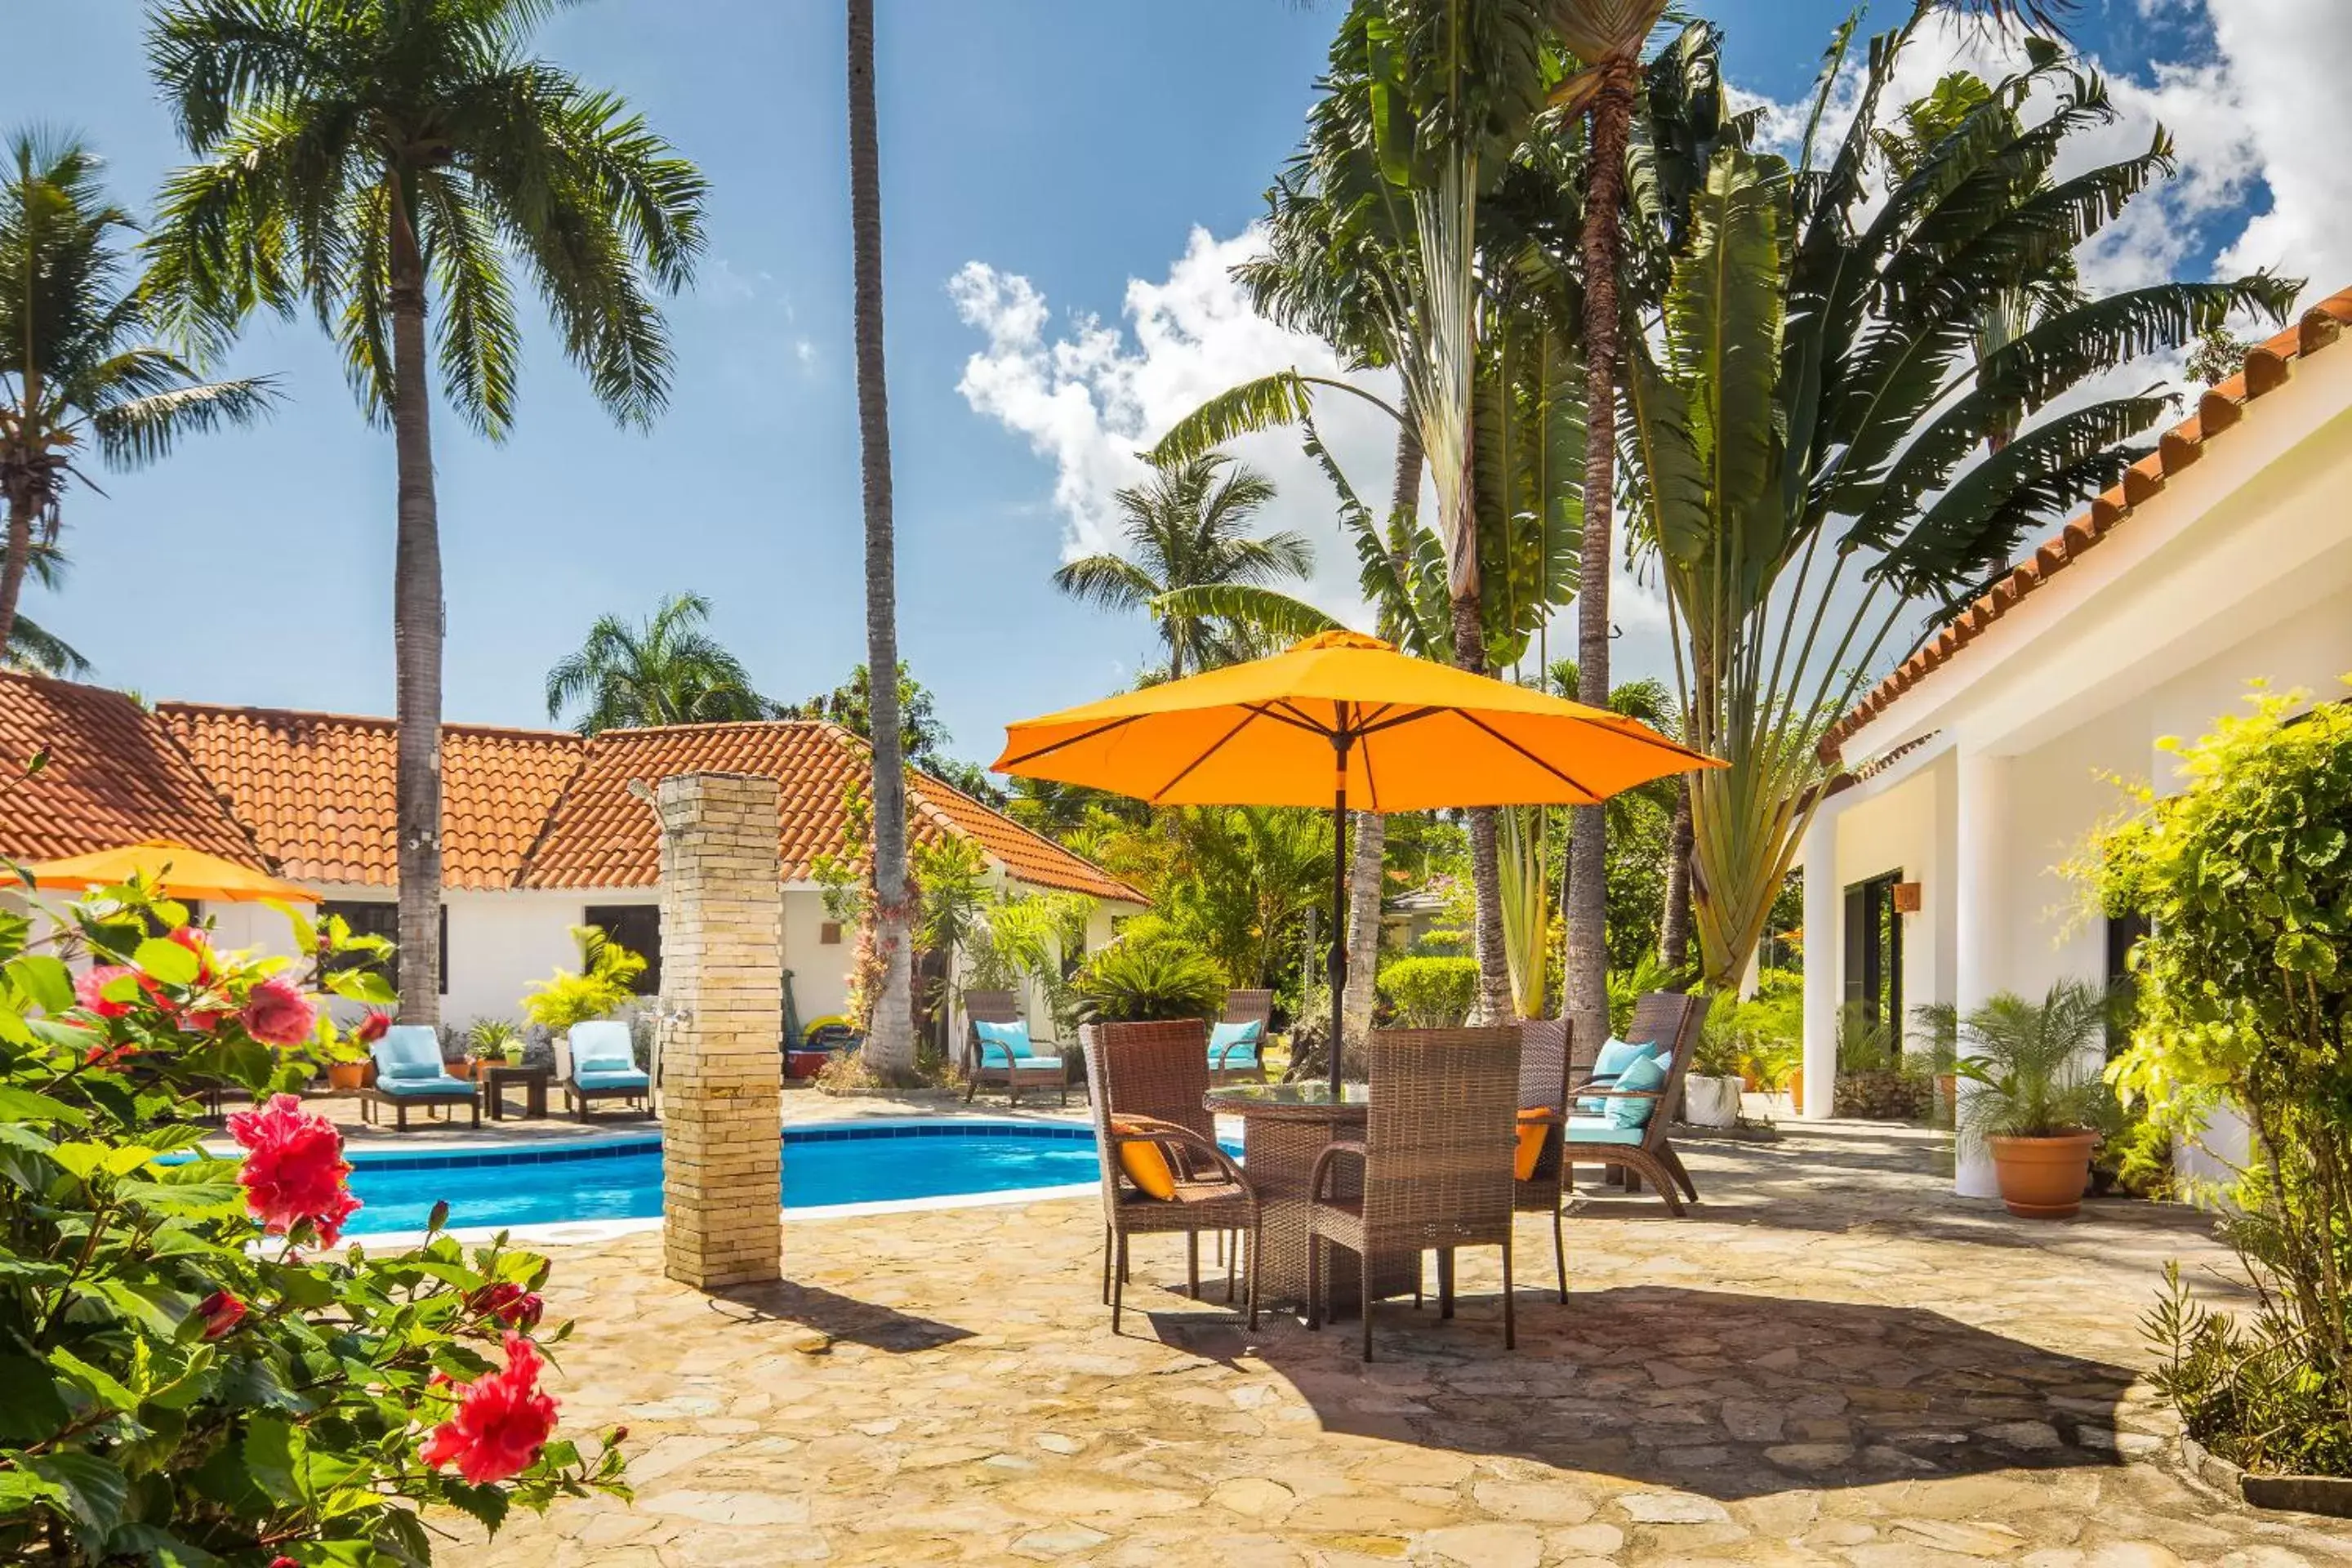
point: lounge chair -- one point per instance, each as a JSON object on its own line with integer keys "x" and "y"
{"x": 1147, "y": 1082}
{"x": 1543, "y": 1118}
{"x": 1622, "y": 1113}
{"x": 1436, "y": 1159}
{"x": 1235, "y": 1046}
{"x": 1002, "y": 1052}
{"x": 409, "y": 1071}
{"x": 604, "y": 1067}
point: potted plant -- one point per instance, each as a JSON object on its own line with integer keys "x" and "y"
{"x": 1711, "y": 1090}
{"x": 349, "y": 1075}
{"x": 495, "y": 1040}
{"x": 2040, "y": 1100}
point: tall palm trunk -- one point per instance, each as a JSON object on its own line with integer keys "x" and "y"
{"x": 1366, "y": 878}
{"x": 416, "y": 629}
{"x": 890, "y": 1038}
{"x": 1585, "y": 984}
{"x": 1674, "y": 919}
{"x": 1485, "y": 864}
{"x": 18, "y": 558}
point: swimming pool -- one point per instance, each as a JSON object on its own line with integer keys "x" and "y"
{"x": 620, "y": 1178}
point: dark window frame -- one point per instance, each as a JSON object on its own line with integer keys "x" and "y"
{"x": 603, "y": 917}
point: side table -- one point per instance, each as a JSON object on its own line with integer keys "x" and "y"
{"x": 494, "y": 1077}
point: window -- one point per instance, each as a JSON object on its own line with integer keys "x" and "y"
{"x": 2123, "y": 932}
{"x": 636, "y": 927}
{"x": 381, "y": 919}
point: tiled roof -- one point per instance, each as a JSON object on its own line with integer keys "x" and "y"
{"x": 114, "y": 777}
{"x": 602, "y": 836}
{"x": 2268, "y": 366}
{"x": 317, "y": 789}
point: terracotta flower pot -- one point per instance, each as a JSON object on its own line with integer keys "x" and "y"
{"x": 2044, "y": 1178}
{"x": 1797, "y": 1092}
{"x": 347, "y": 1077}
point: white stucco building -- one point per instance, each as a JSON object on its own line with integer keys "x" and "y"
{"x": 540, "y": 830}
{"x": 1979, "y": 766}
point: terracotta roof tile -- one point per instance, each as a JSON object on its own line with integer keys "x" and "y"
{"x": 602, "y": 836}
{"x": 317, "y": 789}
{"x": 2268, "y": 367}
{"x": 114, "y": 776}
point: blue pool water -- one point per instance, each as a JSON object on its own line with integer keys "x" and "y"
{"x": 621, "y": 1178}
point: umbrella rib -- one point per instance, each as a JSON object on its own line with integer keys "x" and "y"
{"x": 1300, "y": 720}
{"x": 1160, "y": 794}
{"x": 1374, "y": 728}
{"x": 1590, "y": 798}
{"x": 1011, "y": 762}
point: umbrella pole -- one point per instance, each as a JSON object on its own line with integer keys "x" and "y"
{"x": 1338, "y": 959}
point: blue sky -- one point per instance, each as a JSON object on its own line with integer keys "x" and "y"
{"x": 1070, "y": 148}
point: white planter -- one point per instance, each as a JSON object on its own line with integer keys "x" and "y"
{"x": 1711, "y": 1101}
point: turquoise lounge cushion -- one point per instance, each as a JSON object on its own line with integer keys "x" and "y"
{"x": 1235, "y": 1045}
{"x": 1600, "y": 1130}
{"x": 602, "y": 1047}
{"x": 1614, "y": 1057}
{"x": 611, "y": 1077}
{"x": 407, "y": 1053}
{"x": 1647, "y": 1074}
{"x": 1007, "y": 1044}
{"x": 437, "y": 1084}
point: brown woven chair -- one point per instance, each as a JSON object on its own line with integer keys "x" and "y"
{"x": 1661, "y": 1015}
{"x": 1438, "y": 1137}
{"x": 1150, "y": 1080}
{"x": 1544, "y": 1058}
{"x": 1004, "y": 1007}
{"x": 1247, "y": 1008}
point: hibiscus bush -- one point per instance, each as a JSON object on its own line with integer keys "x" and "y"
{"x": 194, "y": 1366}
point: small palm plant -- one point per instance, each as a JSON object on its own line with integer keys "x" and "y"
{"x": 2037, "y": 1065}
{"x": 1133, "y": 981}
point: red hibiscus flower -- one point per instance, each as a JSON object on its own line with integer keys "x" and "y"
{"x": 369, "y": 1029}
{"x": 508, "y": 1303}
{"x": 221, "y": 1312}
{"x": 109, "y": 1055}
{"x": 502, "y": 1421}
{"x": 277, "y": 1014}
{"x": 294, "y": 1168}
{"x": 90, "y": 987}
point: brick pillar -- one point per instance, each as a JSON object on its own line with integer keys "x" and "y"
{"x": 722, "y": 1014}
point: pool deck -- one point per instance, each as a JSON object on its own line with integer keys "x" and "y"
{"x": 1833, "y": 1361}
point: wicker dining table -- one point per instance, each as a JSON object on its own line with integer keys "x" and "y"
{"x": 1285, "y": 1128}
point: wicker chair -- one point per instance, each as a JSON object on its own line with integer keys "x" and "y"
{"x": 1244, "y": 1007}
{"x": 1438, "y": 1139}
{"x": 1147, "y": 1082}
{"x": 1544, "y": 1057}
{"x": 1662, "y": 1015}
{"x": 1004, "y": 1007}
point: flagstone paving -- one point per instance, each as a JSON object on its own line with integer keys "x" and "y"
{"x": 1832, "y": 1362}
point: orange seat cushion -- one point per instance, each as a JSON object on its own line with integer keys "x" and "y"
{"x": 1534, "y": 1126}
{"x": 1145, "y": 1164}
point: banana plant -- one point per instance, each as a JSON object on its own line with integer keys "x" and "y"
{"x": 1810, "y": 423}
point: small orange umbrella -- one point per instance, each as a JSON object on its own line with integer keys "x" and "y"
{"x": 1341, "y": 715}
{"x": 173, "y": 869}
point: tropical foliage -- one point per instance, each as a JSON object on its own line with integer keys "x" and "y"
{"x": 83, "y": 378}
{"x": 604, "y": 982}
{"x": 2036, "y": 1070}
{"x": 1431, "y": 992}
{"x": 394, "y": 168}
{"x": 197, "y": 1368}
{"x": 1829, "y": 446}
{"x": 1146, "y": 978}
{"x": 2244, "y": 987}
{"x": 1186, "y": 529}
{"x": 666, "y": 670}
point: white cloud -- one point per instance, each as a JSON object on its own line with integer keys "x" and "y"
{"x": 1089, "y": 396}
{"x": 2288, "y": 61}
{"x": 804, "y": 351}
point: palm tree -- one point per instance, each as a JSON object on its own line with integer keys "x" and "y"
{"x": 1186, "y": 529}
{"x": 77, "y": 369}
{"x": 30, "y": 647}
{"x": 666, "y": 670}
{"x": 395, "y": 165}
{"x": 890, "y": 1046}
{"x": 1812, "y": 446}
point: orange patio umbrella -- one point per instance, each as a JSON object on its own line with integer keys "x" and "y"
{"x": 1340, "y": 717}
{"x": 173, "y": 869}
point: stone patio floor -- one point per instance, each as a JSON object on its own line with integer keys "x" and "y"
{"x": 1832, "y": 1362}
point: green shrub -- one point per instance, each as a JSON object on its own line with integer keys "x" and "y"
{"x": 191, "y": 1369}
{"x": 1144, "y": 980}
{"x": 2037, "y": 1066}
{"x": 604, "y": 982}
{"x": 1431, "y": 992}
